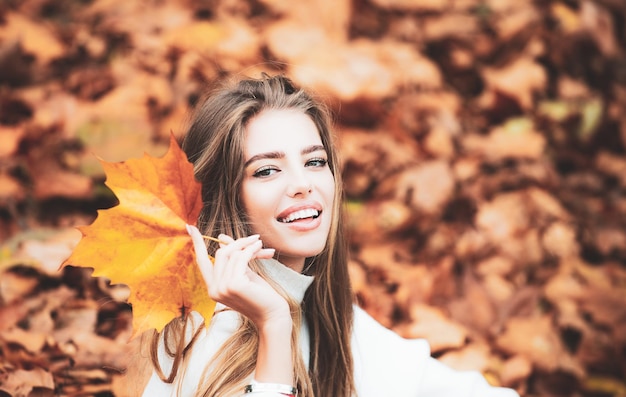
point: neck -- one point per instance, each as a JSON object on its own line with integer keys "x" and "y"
{"x": 295, "y": 264}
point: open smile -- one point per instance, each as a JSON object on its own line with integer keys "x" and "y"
{"x": 308, "y": 213}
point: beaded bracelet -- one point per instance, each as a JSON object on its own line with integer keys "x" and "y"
{"x": 286, "y": 390}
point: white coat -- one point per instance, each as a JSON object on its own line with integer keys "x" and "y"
{"x": 385, "y": 364}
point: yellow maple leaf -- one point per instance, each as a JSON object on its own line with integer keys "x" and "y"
{"x": 142, "y": 242}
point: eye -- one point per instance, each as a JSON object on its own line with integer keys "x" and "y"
{"x": 264, "y": 172}
{"x": 316, "y": 162}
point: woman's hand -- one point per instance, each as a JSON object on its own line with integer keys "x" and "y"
{"x": 231, "y": 282}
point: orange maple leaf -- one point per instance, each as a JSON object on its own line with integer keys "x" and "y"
{"x": 142, "y": 242}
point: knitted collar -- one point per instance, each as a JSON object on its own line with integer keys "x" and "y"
{"x": 294, "y": 283}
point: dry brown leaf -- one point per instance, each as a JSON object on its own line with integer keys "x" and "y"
{"x": 439, "y": 241}
{"x": 560, "y": 239}
{"x": 88, "y": 349}
{"x": 358, "y": 276}
{"x": 570, "y": 88}
{"x": 499, "y": 289}
{"x": 504, "y": 217}
{"x": 473, "y": 357}
{"x": 370, "y": 159}
{"x": 427, "y": 187}
{"x": 598, "y": 21}
{"x": 20, "y": 383}
{"x": 10, "y": 138}
{"x": 54, "y": 181}
{"x": 332, "y": 16}
{"x": 144, "y": 24}
{"x": 138, "y": 369}
{"x": 515, "y": 370}
{"x": 537, "y": 339}
{"x": 466, "y": 168}
{"x": 546, "y": 205}
{"x": 117, "y": 126}
{"x": 434, "y": 325}
{"x": 44, "y": 303}
{"x": 239, "y": 47}
{"x": 519, "y": 79}
{"x": 515, "y": 139}
{"x": 349, "y": 71}
{"x": 414, "y": 5}
{"x": 471, "y": 243}
{"x": 79, "y": 316}
{"x": 564, "y": 285}
{"x": 475, "y": 309}
{"x": 382, "y": 218}
{"x": 567, "y": 19}
{"x": 412, "y": 104}
{"x": 439, "y": 142}
{"x": 415, "y": 285}
{"x": 612, "y": 165}
{"x": 35, "y": 37}
{"x": 61, "y": 109}
{"x": 518, "y": 18}
{"x": 33, "y": 340}
{"x": 447, "y": 25}
{"x": 610, "y": 239}
{"x": 14, "y": 285}
{"x": 198, "y": 36}
{"x": 11, "y": 191}
{"x": 385, "y": 266}
{"x": 49, "y": 253}
{"x": 495, "y": 265}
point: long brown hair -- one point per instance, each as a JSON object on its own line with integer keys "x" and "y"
{"x": 214, "y": 144}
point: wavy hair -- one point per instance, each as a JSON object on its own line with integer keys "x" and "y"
{"x": 214, "y": 143}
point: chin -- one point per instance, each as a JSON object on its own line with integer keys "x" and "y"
{"x": 298, "y": 252}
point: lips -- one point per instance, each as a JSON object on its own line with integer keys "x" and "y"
{"x": 300, "y": 214}
{"x": 292, "y": 214}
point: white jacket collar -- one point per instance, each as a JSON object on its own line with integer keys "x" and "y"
{"x": 294, "y": 283}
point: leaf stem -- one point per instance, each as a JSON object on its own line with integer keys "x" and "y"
{"x": 214, "y": 239}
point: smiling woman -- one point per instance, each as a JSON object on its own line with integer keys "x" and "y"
{"x": 288, "y": 189}
{"x": 286, "y": 323}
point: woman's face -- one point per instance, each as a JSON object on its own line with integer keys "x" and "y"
{"x": 288, "y": 189}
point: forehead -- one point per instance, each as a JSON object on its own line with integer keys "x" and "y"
{"x": 280, "y": 130}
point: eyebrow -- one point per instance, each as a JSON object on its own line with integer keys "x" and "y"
{"x": 280, "y": 155}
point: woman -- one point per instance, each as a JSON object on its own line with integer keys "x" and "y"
{"x": 285, "y": 323}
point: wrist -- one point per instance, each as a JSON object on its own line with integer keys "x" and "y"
{"x": 277, "y": 324}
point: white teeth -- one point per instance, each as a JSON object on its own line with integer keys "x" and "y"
{"x": 307, "y": 213}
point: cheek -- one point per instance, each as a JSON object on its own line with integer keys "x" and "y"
{"x": 256, "y": 202}
{"x": 248, "y": 202}
{"x": 329, "y": 188}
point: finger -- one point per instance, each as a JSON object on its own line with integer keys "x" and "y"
{"x": 225, "y": 239}
{"x": 228, "y": 256}
{"x": 265, "y": 253}
{"x": 229, "y": 262}
{"x": 198, "y": 244}
{"x": 240, "y": 259}
{"x": 238, "y": 244}
{"x": 202, "y": 257}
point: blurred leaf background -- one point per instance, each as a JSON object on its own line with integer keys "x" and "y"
{"x": 484, "y": 154}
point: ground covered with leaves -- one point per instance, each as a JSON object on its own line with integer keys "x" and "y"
{"x": 484, "y": 155}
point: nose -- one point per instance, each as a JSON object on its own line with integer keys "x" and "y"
{"x": 299, "y": 185}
